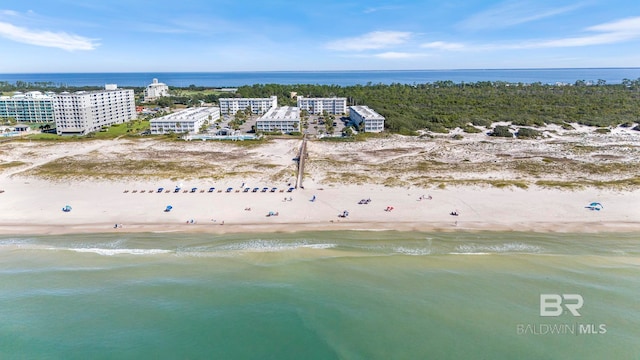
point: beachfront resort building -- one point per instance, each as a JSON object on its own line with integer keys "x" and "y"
{"x": 332, "y": 105}
{"x": 83, "y": 112}
{"x": 257, "y": 105}
{"x": 373, "y": 122}
{"x": 155, "y": 90}
{"x": 284, "y": 119}
{"x": 185, "y": 121}
{"x": 32, "y": 106}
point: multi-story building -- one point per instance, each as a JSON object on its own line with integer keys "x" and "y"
{"x": 285, "y": 119}
{"x": 155, "y": 90}
{"x": 373, "y": 122}
{"x": 32, "y": 106}
{"x": 82, "y": 112}
{"x": 189, "y": 120}
{"x": 333, "y": 105}
{"x": 257, "y": 105}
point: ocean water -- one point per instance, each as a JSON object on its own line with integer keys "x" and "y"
{"x": 318, "y": 295}
{"x": 342, "y": 78}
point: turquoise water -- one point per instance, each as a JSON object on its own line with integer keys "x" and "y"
{"x": 317, "y": 295}
{"x": 342, "y": 78}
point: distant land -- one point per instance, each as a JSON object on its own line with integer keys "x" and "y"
{"x": 340, "y": 78}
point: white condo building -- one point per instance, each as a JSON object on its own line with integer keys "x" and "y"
{"x": 189, "y": 120}
{"x": 82, "y": 112}
{"x": 155, "y": 90}
{"x": 373, "y": 122}
{"x": 285, "y": 119}
{"x": 32, "y": 106}
{"x": 333, "y": 105}
{"x": 258, "y": 105}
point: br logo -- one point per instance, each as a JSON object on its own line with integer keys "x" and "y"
{"x": 552, "y": 304}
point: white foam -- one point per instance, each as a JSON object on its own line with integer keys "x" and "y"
{"x": 111, "y": 252}
{"x": 497, "y": 249}
{"x": 270, "y": 246}
{"x": 412, "y": 251}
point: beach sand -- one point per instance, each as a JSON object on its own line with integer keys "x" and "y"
{"x": 339, "y": 175}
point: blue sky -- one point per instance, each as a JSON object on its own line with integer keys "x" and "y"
{"x": 241, "y": 35}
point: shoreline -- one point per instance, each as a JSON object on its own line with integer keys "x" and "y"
{"x": 216, "y": 229}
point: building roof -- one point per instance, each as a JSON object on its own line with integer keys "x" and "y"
{"x": 290, "y": 113}
{"x": 187, "y": 114}
{"x": 365, "y": 111}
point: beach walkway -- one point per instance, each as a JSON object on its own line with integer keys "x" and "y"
{"x": 301, "y": 157}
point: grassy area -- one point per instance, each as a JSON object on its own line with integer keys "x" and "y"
{"x": 71, "y": 168}
{"x": 11, "y": 164}
{"x": 129, "y": 128}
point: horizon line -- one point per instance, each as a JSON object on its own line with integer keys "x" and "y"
{"x": 324, "y": 71}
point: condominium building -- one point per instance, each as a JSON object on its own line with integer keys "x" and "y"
{"x": 82, "y": 112}
{"x": 155, "y": 90}
{"x": 333, "y": 105}
{"x": 373, "y": 122}
{"x": 257, "y": 105}
{"x": 32, "y": 106}
{"x": 285, "y": 119}
{"x": 189, "y": 120}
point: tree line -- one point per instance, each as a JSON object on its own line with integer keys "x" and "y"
{"x": 444, "y": 105}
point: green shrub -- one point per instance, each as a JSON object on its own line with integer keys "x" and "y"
{"x": 603, "y": 130}
{"x": 482, "y": 122}
{"x": 457, "y": 137}
{"x": 501, "y": 131}
{"x": 471, "y": 129}
{"x": 527, "y": 133}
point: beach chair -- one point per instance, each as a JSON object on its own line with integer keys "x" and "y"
{"x": 126, "y": 191}
{"x": 134, "y": 191}
{"x": 143, "y": 191}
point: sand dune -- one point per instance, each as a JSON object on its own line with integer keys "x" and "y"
{"x": 493, "y": 184}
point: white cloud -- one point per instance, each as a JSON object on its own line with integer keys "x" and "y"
{"x": 380, "y": 8}
{"x": 398, "y": 55}
{"x": 370, "y": 41}
{"x": 513, "y": 13}
{"x": 59, "y": 40}
{"x": 609, "y": 33}
{"x": 441, "y": 45}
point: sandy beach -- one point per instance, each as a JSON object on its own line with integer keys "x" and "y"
{"x": 97, "y": 180}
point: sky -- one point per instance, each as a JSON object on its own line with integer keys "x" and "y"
{"x": 293, "y": 35}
